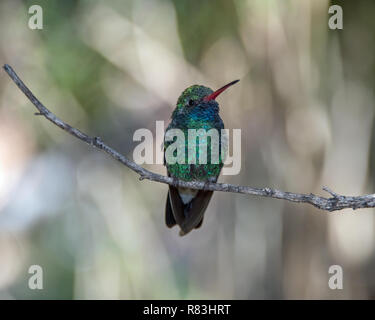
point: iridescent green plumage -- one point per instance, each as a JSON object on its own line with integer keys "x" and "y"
{"x": 202, "y": 115}
{"x": 196, "y": 109}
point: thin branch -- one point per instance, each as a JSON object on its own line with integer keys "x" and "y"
{"x": 336, "y": 202}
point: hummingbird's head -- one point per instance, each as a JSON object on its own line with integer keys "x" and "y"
{"x": 199, "y": 95}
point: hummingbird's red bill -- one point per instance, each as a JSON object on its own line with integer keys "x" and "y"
{"x": 213, "y": 95}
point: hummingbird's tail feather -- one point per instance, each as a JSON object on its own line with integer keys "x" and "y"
{"x": 195, "y": 210}
{"x": 170, "y": 221}
{"x": 176, "y": 205}
{"x": 169, "y": 217}
{"x": 187, "y": 216}
{"x": 199, "y": 224}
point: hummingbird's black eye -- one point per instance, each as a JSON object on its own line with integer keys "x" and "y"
{"x": 191, "y": 103}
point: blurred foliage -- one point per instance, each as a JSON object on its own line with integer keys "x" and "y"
{"x": 305, "y": 105}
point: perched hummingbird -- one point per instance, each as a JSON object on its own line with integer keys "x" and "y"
{"x": 196, "y": 109}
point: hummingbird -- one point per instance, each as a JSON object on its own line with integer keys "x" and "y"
{"x": 196, "y": 108}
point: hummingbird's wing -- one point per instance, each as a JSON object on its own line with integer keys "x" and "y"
{"x": 177, "y": 207}
{"x": 170, "y": 221}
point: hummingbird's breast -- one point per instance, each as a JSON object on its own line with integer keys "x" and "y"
{"x": 195, "y": 167}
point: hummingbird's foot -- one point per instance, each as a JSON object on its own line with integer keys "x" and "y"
{"x": 206, "y": 183}
{"x": 175, "y": 182}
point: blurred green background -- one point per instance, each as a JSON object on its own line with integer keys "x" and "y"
{"x": 305, "y": 105}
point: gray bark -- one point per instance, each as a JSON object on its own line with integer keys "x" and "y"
{"x": 333, "y": 203}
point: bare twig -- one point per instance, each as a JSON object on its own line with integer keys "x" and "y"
{"x": 336, "y": 202}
